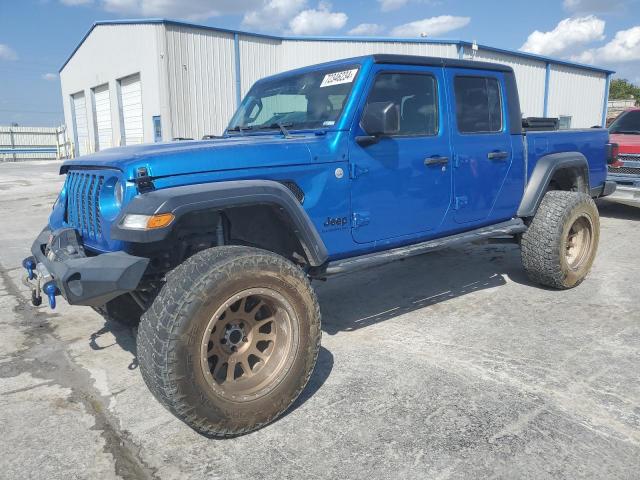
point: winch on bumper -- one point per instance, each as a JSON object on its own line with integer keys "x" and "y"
{"x": 60, "y": 265}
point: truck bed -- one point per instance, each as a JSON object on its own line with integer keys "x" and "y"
{"x": 591, "y": 142}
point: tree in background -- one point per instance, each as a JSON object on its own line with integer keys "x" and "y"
{"x": 623, "y": 89}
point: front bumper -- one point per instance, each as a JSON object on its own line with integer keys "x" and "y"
{"x": 627, "y": 188}
{"x": 82, "y": 279}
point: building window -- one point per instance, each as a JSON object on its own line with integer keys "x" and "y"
{"x": 415, "y": 97}
{"x": 478, "y": 104}
{"x": 157, "y": 129}
{"x": 564, "y": 122}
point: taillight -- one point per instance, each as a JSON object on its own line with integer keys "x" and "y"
{"x": 612, "y": 155}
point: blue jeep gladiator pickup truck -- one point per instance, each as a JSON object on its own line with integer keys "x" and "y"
{"x": 211, "y": 245}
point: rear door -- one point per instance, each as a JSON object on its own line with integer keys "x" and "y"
{"x": 481, "y": 142}
{"x": 401, "y": 185}
{"x": 131, "y": 107}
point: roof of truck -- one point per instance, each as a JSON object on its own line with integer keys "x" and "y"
{"x": 393, "y": 59}
{"x": 437, "y": 62}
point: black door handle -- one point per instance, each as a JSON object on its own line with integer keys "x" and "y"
{"x": 497, "y": 155}
{"x": 436, "y": 160}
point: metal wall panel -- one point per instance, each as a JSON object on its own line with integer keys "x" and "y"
{"x": 530, "y": 77}
{"x": 102, "y": 117}
{"x": 201, "y": 69}
{"x": 299, "y": 53}
{"x": 577, "y": 93}
{"x": 259, "y": 57}
{"x": 109, "y": 53}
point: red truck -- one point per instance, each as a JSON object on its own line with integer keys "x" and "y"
{"x": 625, "y": 132}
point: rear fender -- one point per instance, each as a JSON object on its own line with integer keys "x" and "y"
{"x": 573, "y": 164}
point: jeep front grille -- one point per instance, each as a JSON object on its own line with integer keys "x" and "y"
{"x": 83, "y": 205}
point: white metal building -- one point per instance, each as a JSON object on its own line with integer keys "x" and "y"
{"x": 135, "y": 81}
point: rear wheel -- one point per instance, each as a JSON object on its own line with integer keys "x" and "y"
{"x": 561, "y": 243}
{"x": 231, "y": 340}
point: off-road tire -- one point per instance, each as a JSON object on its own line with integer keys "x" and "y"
{"x": 122, "y": 310}
{"x": 546, "y": 245}
{"x": 174, "y": 330}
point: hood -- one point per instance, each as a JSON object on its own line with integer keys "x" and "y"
{"x": 627, "y": 143}
{"x": 184, "y": 157}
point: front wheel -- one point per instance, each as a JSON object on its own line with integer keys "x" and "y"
{"x": 561, "y": 243}
{"x": 231, "y": 340}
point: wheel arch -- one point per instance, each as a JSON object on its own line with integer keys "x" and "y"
{"x": 562, "y": 171}
{"x": 242, "y": 202}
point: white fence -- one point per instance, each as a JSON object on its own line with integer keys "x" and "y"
{"x": 34, "y": 143}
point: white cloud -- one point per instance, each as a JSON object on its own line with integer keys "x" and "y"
{"x": 366, "y": 29}
{"x": 388, "y": 5}
{"x": 7, "y": 53}
{"x": 568, "y": 34}
{"x": 431, "y": 27}
{"x": 624, "y": 47}
{"x": 273, "y": 14}
{"x": 50, "y": 77}
{"x": 187, "y": 9}
{"x": 316, "y": 21}
{"x": 590, "y": 6}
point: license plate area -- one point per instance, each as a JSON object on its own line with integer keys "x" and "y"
{"x": 64, "y": 244}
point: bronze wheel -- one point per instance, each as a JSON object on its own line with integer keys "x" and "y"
{"x": 231, "y": 339}
{"x": 578, "y": 242}
{"x": 246, "y": 348}
{"x": 561, "y": 242}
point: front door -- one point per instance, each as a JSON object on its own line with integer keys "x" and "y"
{"x": 481, "y": 142}
{"x": 401, "y": 185}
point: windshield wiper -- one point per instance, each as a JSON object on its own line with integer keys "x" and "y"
{"x": 239, "y": 128}
{"x": 282, "y": 127}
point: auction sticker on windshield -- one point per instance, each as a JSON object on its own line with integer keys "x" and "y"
{"x": 336, "y": 78}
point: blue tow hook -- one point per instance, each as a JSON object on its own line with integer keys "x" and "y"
{"x": 51, "y": 291}
{"x": 30, "y": 264}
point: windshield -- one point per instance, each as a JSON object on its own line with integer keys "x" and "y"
{"x": 628, "y": 122}
{"x": 301, "y": 101}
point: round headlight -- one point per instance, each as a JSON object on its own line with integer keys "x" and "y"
{"x": 118, "y": 192}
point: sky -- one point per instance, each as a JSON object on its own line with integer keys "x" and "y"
{"x": 36, "y": 36}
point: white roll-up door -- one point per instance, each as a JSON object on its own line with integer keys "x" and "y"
{"x": 131, "y": 104}
{"x": 102, "y": 109}
{"x": 80, "y": 123}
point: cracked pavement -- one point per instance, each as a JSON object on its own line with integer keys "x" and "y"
{"x": 449, "y": 365}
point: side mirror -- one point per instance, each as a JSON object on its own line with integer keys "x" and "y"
{"x": 380, "y": 118}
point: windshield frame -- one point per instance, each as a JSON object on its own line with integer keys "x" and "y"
{"x": 232, "y": 128}
{"x": 621, "y": 117}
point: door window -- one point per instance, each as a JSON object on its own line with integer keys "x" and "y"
{"x": 415, "y": 97}
{"x": 478, "y": 104}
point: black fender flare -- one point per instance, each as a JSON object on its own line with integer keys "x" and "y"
{"x": 543, "y": 172}
{"x": 219, "y": 195}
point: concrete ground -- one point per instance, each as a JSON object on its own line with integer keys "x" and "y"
{"x": 450, "y": 365}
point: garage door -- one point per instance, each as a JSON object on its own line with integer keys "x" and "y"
{"x": 79, "y": 106}
{"x": 131, "y": 103}
{"x": 102, "y": 109}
